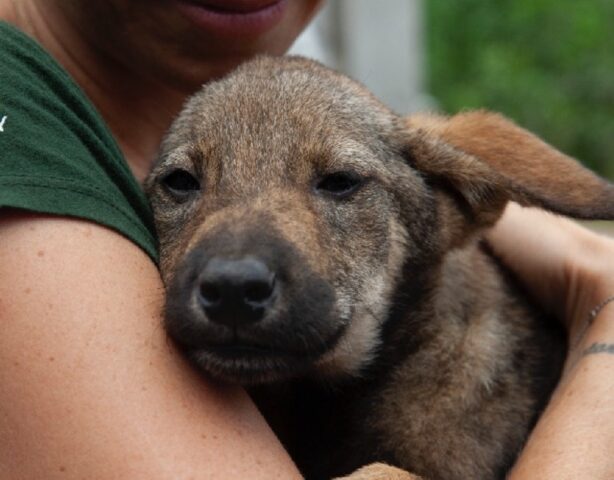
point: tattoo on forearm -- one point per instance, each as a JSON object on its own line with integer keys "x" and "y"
{"x": 599, "y": 348}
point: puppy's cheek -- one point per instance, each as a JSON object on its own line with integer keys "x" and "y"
{"x": 355, "y": 350}
{"x": 344, "y": 305}
{"x": 183, "y": 317}
{"x": 179, "y": 314}
{"x": 369, "y": 306}
{"x": 310, "y": 317}
{"x": 173, "y": 259}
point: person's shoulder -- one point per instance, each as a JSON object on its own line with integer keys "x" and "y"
{"x": 57, "y": 155}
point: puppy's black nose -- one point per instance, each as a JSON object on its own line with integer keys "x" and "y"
{"x": 235, "y": 292}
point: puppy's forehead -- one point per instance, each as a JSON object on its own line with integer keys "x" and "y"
{"x": 279, "y": 109}
{"x": 290, "y": 91}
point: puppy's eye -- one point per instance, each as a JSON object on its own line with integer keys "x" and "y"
{"x": 181, "y": 183}
{"x": 339, "y": 184}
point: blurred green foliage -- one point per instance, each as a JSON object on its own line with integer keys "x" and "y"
{"x": 547, "y": 64}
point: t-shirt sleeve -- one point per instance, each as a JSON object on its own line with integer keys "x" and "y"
{"x": 56, "y": 154}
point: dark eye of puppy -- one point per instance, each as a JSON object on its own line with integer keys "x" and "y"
{"x": 339, "y": 184}
{"x": 180, "y": 184}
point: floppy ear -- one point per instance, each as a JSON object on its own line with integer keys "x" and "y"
{"x": 487, "y": 160}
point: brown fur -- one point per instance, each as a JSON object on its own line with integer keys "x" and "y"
{"x": 395, "y": 335}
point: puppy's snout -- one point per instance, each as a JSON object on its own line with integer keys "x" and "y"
{"x": 236, "y": 292}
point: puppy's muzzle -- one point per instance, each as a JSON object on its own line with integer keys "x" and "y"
{"x": 247, "y": 307}
{"x": 235, "y": 293}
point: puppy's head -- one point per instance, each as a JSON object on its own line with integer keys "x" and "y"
{"x": 288, "y": 200}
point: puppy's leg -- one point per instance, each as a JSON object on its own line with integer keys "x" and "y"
{"x": 380, "y": 471}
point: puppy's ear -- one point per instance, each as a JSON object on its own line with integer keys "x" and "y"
{"x": 484, "y": 160}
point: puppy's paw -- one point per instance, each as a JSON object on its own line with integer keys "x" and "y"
{"x": 380, "y": 471}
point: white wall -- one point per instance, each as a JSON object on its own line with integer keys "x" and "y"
{"x": 379, "y": 43}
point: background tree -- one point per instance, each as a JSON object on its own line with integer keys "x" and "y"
{"x": 547, "y": 64}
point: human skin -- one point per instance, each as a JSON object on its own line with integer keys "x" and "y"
{"x": 91, "y": 388}
{"x": 570, "y": 270}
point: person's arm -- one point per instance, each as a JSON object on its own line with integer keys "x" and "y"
{"x": 90, "y": 386}
{"x": 571, "y": 271}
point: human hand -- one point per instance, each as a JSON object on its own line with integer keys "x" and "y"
{"x": 380, "y": 471}
{"x": 568, "y": 269}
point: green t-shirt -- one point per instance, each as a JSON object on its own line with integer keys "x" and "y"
{"x": 57, "y": 156}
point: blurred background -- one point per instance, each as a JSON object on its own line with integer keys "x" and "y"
{"x": 547, "y": 64}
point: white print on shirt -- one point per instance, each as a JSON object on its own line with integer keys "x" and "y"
{"x": 2, "y": 122}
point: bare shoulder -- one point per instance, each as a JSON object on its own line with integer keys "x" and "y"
{"x": 91, "y": 385}
{"x": 69, "y": 249}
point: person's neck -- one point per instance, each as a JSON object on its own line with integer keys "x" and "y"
{"x": 137, "y": 110}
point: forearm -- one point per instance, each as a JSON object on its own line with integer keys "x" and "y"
{"x": 574, "y": 437}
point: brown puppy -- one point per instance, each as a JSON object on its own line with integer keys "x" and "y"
{"x": 327, "y": 253}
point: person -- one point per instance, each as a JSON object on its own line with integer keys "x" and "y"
{"x": 91, "y": 387}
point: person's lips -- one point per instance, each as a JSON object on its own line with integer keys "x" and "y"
{"x": 233, "y": 17}
{"x": 235, "y": 6}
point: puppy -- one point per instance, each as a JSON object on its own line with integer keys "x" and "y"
{"x": 326, "y": 252}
